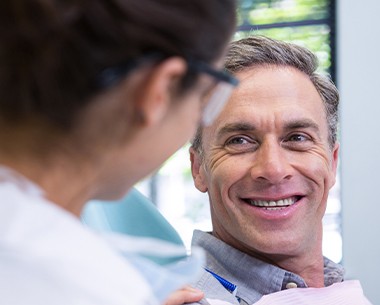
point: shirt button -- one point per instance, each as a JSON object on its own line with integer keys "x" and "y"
{"x": 291, "y": 285}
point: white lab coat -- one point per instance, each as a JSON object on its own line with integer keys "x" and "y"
{"x": 47, "y": 257}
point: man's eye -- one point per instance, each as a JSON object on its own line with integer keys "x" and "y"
{"x": 237, "y": 141}
{"x": 298, "y": 138}
{"x": 298, "y": 141}
{"x": 241, "y": 144}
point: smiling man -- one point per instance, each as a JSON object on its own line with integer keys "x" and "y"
{"x": 267, "y": 164}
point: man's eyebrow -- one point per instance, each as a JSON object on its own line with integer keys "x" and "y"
{"x": 302, "y": 124}
{"x": 248, "y": 127}
{"x": 235, "y": 127}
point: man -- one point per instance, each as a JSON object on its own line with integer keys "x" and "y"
{"x": 267, "y": 164}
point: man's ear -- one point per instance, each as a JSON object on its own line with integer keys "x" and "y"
{"x": 156, "y": 92}
{"x": 197, "y": 170}
{"x": 334, "y": 163}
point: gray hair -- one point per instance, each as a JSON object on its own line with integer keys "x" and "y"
{"x": 256, "y": 51}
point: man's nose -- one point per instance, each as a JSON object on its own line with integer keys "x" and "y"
{"x": 271, "y": 164}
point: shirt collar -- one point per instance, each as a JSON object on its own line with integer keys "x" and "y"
{"x": 251, "y": 274}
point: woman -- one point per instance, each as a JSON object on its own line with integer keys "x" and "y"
{"x": 94, "y": 95}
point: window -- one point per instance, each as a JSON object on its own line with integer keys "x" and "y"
{"x": 310, "y": 23}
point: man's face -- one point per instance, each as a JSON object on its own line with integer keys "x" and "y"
{"x": 268, "y": 166}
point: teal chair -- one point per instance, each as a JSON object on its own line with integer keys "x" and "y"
{"x": 136, "y": 215}
{"x": 133, "y": 215}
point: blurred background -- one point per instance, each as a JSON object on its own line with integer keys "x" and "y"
{"x": 346, "y": 38}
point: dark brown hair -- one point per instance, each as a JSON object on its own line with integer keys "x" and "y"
{"x": 51, "y": 51}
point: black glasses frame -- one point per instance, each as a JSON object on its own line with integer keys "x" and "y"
{"x": 112, "y": 75}
{"x": 223, "y": 76}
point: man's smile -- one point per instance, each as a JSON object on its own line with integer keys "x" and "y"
{"x": 274, "y": 204}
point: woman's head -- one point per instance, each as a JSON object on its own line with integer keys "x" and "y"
{"x": 80, "y": 75}
{"x": 51, "y": 52}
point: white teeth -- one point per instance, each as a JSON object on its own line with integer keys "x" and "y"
{"x": 274, "y": 204}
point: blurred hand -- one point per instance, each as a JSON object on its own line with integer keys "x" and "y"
{"x": 185, "y": 295}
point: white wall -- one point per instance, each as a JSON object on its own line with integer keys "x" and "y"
{"x": 359, "y": 83}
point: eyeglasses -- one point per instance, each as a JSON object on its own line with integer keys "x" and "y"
{"x": 220, "y": 94}
{"x": 112, "y": 75}
{"x": 217, "y": 100}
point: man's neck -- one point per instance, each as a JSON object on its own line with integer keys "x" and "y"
{"x": 310, "y": 268}
{"x": 307, "y": 262}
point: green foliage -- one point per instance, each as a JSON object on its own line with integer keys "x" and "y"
{"x": 256, "y": 12}
{"x": 269, "y": 12}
